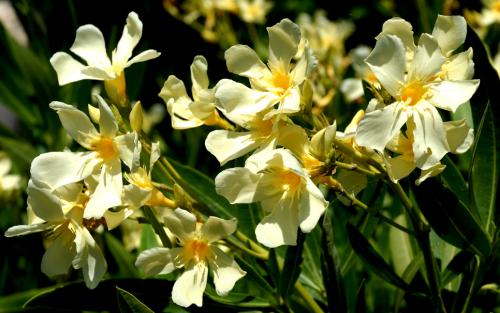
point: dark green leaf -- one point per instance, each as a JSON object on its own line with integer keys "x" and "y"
{"x": 15, "y": 302}
{"x": 409, "y": 273}
{"x": 291, "y": 266}
{"x": 372, "y": 259}
{"x": 456, "y": 267}
{"x": 257, "y": 281}
{"x": 454, "y": 180}
{"x": 330, "y": 265}
{"x": 360, "y": 304}
{"x": 453, "y": 222}
{"x": 273, "y": 268}
{"x": 123, "y": 258}
{"x": 128, "y": 303}
{"x": 148, "y": 238}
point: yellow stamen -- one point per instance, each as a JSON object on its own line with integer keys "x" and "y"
{"x": 196, "y": 250}
{"x": 413, "y": 92}
{"x": 105, "y": 148}
{"x": 290, "y": 181}
{"x": 116, "y": 89}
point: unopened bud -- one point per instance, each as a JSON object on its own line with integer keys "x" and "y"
{"x": 136, "y": 117}
{"x": 94, "y": 114}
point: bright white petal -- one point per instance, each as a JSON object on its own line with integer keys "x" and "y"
{"x": 57, "y": 259}
{"x": 143, "y": 56}
{"x": 229, "y": 145}
{"x": 76, "y": 123}
{"x": 290, "y": 103}
{"x": 293, "y": 138}
{"x": 108, "y": 191}
{"x": 199, "y": 77}
{"x": 45, "y": 204}
{"x": 175, "y": 96}
{"x": 89, "y": 45}
{"x": 158, "y": 260}
{"x": 216, "y": 228}
{"x": 450, "y": 32}
{"x": 181, "y": 223}
{"x": 427, "y": 61}
{"x": 189, "y": 287}
{"x": 281, "y": 226}
{"x": 401, "y": 28}
{"x": 430, "y": 144}
{"x": 114, "y": 219}
{"x": 226, "y": 271}
{"x": 243, "y": 60}
{"x": 131, "y": 35}
{"x": 98, "y": 73}
{"x": 234, "y": 98}
{"x": 127, "y": 144}
{"x": 322, "y": 141}
{"x": 20, "y": 230}
{"x": 388, "y": 63}
{"x": 67, "y": 68}
{"x": 237, "y": 185}
{"x": 284, "y": 38}
{"x": 459, "y": 66}
{"x": 377, "y": 128}
{"x": 311, "y": 206}
{"x": 352, "y": 89}
{"x": 459, "y": 136}
{"x": 449, "y": 95}
{"x": 61, "y": 168}
{"x": 89, "y": 258}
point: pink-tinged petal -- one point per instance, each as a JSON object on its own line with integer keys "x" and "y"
{"x": 388, "y": 62}
{"x": 449, "y": 95}
{"x": 189, "y": 287}
{"x": 158, "y": 260}
{"x": 378, "y": 127}
{"x": 226, "y": 271}
{"x": 430, "y": 144}
{"x": 181, "y": 223}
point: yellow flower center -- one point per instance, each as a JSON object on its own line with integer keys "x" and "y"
{"x": 413, "y": 92}
{"x": 280, "y": 80}
{"x": 260, "y": 127}
{"x": 140, "y": 179}
{"x": 290, "y": 181}
{"x": 495, "y": 6}
{"x": 105, "y": 148}
{"x": 196, "y": 250}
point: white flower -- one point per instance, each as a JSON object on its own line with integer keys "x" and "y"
{"x": 106, "y": 147}
{"x": 184, "y": 111}
{"x": 197, "y": 254}
{"x": 416, "y": 95}
{"x": 60, "y": 212}
{"x": 89, "y": 45}
{"x": 276, "y": 83}
{"x": 8, "y": 182}
{"x": 254, "y": 11}
{"x": 276, "y": 179}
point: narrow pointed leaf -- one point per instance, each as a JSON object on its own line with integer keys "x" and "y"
{"x": 128, "y": 303}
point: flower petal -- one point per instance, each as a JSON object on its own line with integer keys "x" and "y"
{"x": 237, "y": 185}
{"x": 76, "y": 123}
{"x": 20, "y": 230}
{"x": 378, "y": 127}
{"x": 281, "y": 226}
{"x": 68, "y": 69}
{"x": 108, "y": 191}
{"x": 290, "y": 103}
{"x": 242, "y": 60}
{"x": 311, "y": 206}
{"x": 158, "y": 260}
{"x": 131, "y": 35}
{"x": 459, "y": 66}
{"x": 89, "y": 258}
{"x": 427, "y": 61}
{"x": 216, "y": 228}
{"x": 181, "y": 223}
{"x": 59, "y": 255}
{"x": 399, "y": 167}
{"x": 229, "y": 145}
{"x": 45, "y": 204}
{"x": 114, "y": 219}
{"x": 199, "y": 77}
{"x": 459, "y": 135}
{"x": 89, "y": 45}
{"x": 402, "y": 29}
{"x": 61, "y": 168}
{"x": 284, "y": 38}
{"x": 388, "y": 62}
{"x": 226, "y": 271}
{"x": 450, "y": 32}
{"x": 127, "y": 145}
{"x": 449, "y": 95}
{"x": 189, "y": 287}
{"x": 430, "y": 172}
{"x": 107, "y": 122}
{"x": 143, "y": 56}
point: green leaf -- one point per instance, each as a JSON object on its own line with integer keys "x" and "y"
{"x": 291, "y": 266}
{"x": 372, "y": 259}
{"x": 484, "y": 169}
{"x": 453, "y": 179}
{"x": 236, "y": 300}
{"x": 76, "y": 297}
{"x": 257, "y": 281}
{"x": 202, "y": 189}
{"x": 409, "y": 273}
{"x": 123, "y": 258}
{"x": 450, "y": 219}
{"x": 15, "y": 302}
{"x": 148, "y": 238}
{"x": 457, "y": 266}
{"x": 330, "y": 264}
{"x": 128, "y": 303}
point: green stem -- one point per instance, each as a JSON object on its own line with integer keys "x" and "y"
{"x": 472, "y": 289}
{"x": 238, "y": 245}
{"x": 356, "y": 168}
{"x": 313, "y": 305}
{"x": 157, "y": 226}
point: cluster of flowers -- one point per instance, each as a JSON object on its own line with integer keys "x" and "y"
{"x": 73, "y": 193}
